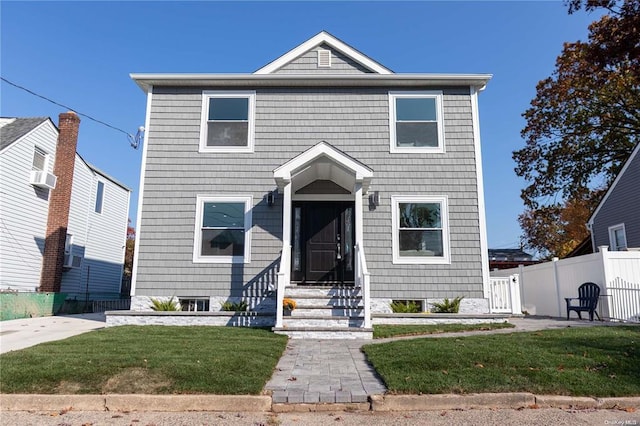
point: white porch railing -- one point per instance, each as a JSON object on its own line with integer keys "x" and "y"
{"x": 284, "y": 276}
{"x": 504, "y": 295}
{"x": 363, "y": 281}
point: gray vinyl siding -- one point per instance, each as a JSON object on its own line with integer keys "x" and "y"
{"x": 622, "y": 206}
{"x": 23, "y": 210}
{"x": 288, "y": 122}
{"x": 307, "y": 63}
{"x": 98, "y": 237}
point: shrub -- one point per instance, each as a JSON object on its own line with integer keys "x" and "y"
{"x": 405, "y": 307}
{"x": 164, "y": 305}
{"x": 289, "y": 304}
{"x": 235, "y": 306}
{"x": 447, "y": 306}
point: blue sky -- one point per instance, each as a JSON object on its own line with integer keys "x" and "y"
{"x": 80, "y": 54}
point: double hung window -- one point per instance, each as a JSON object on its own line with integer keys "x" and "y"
{"x": 416, "y": 122}
{"x": 420, "y": 229}
{"x": 223, "y": 229}
{"x": 227, "y": 123}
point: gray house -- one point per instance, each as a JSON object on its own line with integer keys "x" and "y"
{"x": 616, "y": 220}
{"x": 323, "y": 177}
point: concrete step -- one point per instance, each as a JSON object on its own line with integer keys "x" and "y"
{"x": 294, "y": 291}
{"x": 325, "y": 333}
{"x": 324, "y": 322}
{"x": 327, "y": 311}
{"x": 328, "y": 301}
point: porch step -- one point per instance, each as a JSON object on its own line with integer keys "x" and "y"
{"x": 327, "y": 311}
{"x": 329, "y": 322}
{"x": 325, "y": 333}
{"x": 322, "y": 291}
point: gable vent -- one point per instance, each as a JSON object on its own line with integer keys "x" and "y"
{"x": 324, "y": 58}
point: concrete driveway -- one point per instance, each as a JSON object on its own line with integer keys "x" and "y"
{"x": 26, "y": 332}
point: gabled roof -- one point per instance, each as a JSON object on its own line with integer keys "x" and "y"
{"x": 324, "y": 38}
{"x": 16, "y": 128}
{"x": 634, "y": 153}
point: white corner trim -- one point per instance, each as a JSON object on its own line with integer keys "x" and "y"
{"x": 445, "y": 259}
{"x": 204, "y": 114}
{"x": 439, "y": 97}
{"x": 326, "y": 38}
{"x": 482, "y": 215}
{"x": 143, "y": 171}
{"x": 612, "y": 187}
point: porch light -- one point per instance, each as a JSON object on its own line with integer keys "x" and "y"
{"x": 271, "y": 198}
{"x": 374, "y": 199}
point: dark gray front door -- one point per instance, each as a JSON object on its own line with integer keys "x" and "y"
{"x": 322, "y": 243}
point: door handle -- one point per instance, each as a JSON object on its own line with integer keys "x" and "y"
{"x": 339, "y": 255}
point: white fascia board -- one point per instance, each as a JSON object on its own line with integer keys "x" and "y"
{"x": 146, "y": 81}
{"x": 613, "y": 185}
{"x": 318, "y": 39}
{"x": 321, "y": 149}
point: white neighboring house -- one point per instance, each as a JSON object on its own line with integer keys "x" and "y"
{"x": 98, "y": 215}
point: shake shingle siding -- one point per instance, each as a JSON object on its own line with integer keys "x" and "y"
{"x": 288, "y": 122}
{"x": 308, "y": 64}
{"x": 622, "y": 206}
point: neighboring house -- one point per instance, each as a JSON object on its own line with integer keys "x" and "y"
{"x": 254, "y": 185}
{"x": 509, "y": 258}
{"x": 616, "y": 220}
{"x": 93, "y": 208}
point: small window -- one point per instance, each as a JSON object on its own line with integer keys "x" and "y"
{"x": 194, "y": 305}
{"x": 223, "y": 227}
{"x": 227, "y": 122}
{"x": 416, "y": 122}
{"x": 617, "y": 238}
{"x": 39, "y": 160}
{"x": 99, "y": 196}
{"x": 420, "y": 230}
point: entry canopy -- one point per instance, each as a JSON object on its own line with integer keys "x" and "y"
{"x": 323, "y": 162}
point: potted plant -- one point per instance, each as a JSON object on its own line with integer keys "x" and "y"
{"x": 288, "y": 305}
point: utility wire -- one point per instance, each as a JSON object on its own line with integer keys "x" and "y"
{"x": 130, "y": 136}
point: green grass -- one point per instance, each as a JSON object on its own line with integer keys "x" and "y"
{"x": 384, "y": 331}
{"x": 594, "y": 361}
{"x": 148, "y": 359}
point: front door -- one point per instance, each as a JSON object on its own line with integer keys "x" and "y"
{"x": 323, "y": 242}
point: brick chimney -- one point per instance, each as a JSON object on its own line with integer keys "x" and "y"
{"x": 59, "y": 202}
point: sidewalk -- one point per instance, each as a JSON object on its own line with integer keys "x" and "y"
{"x": 23, "y": 333}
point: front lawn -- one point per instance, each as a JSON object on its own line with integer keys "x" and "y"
{"x": 381, "y": 331}
{"x": 147, "y": 359}
{"x": 594, "y": 361}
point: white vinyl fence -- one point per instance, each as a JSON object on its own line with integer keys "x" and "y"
{"x": 543, "y": 287}
{"x": 504, "y": 295}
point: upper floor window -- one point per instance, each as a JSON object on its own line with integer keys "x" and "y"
{"x": 420, "y": 229}
{"x": 227, "y": 123}
{"x": 617, "y": 237}
{"x": 99, "y": 197}
{"x": 416, "y": 123}
{"x": 223, "y": 229}
{"x": 39, "y": 160}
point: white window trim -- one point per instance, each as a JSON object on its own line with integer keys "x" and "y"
{"x": 45, "y": 167}
{"x": 444, "y": 212}
{"x": 437, "y": 94}
{"x": 208, "y": 94}
{"x": 197, "y": 240}
{"x": 612, "y": 237}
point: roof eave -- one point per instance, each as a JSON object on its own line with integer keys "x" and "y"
{"x": 146, "y": 81}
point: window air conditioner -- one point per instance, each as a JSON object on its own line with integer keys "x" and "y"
{"x": 72, "y": 261}
{"x": 43, "y": 179}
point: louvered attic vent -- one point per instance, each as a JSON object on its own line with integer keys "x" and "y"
{"x": 324, "y": 58}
